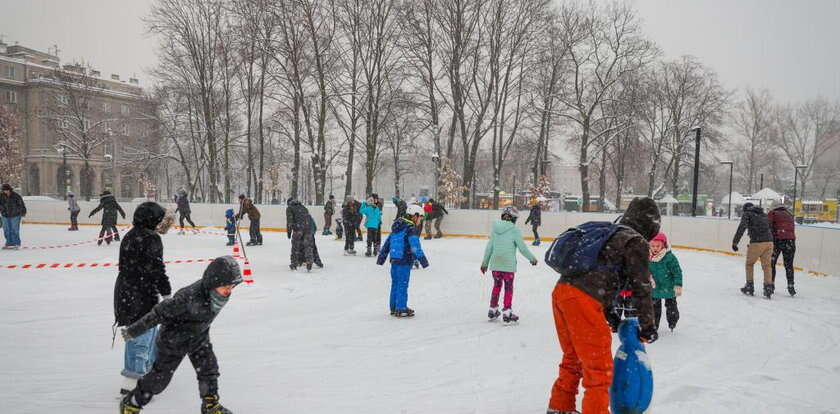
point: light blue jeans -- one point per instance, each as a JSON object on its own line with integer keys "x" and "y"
{"x": 140, "y": 354}
{"x": 11, "y": 230}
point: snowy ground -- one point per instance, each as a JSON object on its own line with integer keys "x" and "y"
{"x": 324, "y": 343}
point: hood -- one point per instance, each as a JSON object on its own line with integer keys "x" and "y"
{"x": 401, "y": 225}
{"x": 229, "y": 213}
{"x": 781, "y": 208}
{"x": 642, "y": 215}
{"x": 220, "y": 272}
{"x": 501, "y": 227}
{"x": 754, "y": 209}
{"x": 71, "y": 194}
{"x": 661, "y": 237}
{"x": 148, "y": 215}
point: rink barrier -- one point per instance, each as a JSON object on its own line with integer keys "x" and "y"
{"x": 247, "y": 271}
{"x": 816, "y": 246}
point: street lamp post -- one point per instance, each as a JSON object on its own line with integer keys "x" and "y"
{"x": 696, "y": 170}
{"x": 731, "y": 164}
{"x": 795, "y": 179}
{"x": 63, "y": 151}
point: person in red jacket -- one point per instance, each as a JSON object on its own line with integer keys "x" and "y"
{"x": 784, "y": 242}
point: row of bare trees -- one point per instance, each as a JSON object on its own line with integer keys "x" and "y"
{"x": 256, "y": 93}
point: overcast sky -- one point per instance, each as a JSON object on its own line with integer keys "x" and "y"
{"x": 787, "y": 46}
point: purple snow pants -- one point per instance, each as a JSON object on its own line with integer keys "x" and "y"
{"x": 498, "y": 279}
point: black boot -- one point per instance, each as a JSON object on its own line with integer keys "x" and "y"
{"x": 768, "y": 291}
{"x": 210, "y": 405}
{"x": 367, "y": 252}
{"x": 748, "y": 289}
{"x": 791, "y": 290}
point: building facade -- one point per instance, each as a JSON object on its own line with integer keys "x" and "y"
{"x": 80, "y": 132}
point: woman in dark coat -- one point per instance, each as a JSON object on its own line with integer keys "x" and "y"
{"x": 141, "y": 280}
{"x": 109, "y": 206}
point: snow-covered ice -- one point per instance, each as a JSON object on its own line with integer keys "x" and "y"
{"x": 323, "y": 342}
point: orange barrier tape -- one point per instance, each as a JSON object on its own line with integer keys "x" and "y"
{"x": 90, "y": 265}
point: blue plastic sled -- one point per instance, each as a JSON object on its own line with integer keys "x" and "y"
{"x": 632, "y": 384}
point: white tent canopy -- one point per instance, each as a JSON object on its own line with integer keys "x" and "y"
{"x": 668, "y": 199}
{"x": 736, "y": 197}
{"x": 767, "y": 194}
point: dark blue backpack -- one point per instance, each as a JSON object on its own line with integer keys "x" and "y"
{"x": 576, "y": 250}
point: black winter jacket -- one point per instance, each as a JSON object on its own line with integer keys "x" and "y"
{"x": 12, "y": 205}
{"x": 183, "y": 203}
{"x": 297, "y": 217}
{"x": 142, "y": 274}
{"x": 350, "y": 214}
{"x": 535, "y": 216}
{"x": 755, "y": 222}
{"x": 185, "y": 319}
{"x": 109, "y": 206}
{"x": 438, "y": 210}
{"x": 624, "y": 262}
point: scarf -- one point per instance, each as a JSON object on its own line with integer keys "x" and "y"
{"x": 217, "y": 301}
{"x": 657, "y": 257}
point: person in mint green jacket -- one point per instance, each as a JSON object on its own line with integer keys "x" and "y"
{"x": 500, "y": 257}
{"x": 667, "y": 274}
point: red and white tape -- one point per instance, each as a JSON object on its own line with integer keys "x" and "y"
{"x": 92, "y": 265}
{"x": 62, "y": 246}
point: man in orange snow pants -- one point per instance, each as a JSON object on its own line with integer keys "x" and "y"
{"x": 583, "y": 304}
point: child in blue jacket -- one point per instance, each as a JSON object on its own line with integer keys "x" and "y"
{"x": 403, "y": 245}
{"x": 373, "y": 223}
{"x": 230, "y": 227}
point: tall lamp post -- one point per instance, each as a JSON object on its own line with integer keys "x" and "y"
{"x": 110, "y": 159}
{"x": 795, "y": 179}
{"x": 730, "y": 163}
{"x": 696, "y": 170}
{"x": 61, "y": 148}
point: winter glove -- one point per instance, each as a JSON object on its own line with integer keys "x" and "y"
{"x": 483, "y": 269}
{"x": 289, "y": 234}
{"x": 613, "y": 320}
{"x": 424, "y": 262}
{"x": 534, "y": 262}
{"x": 678, "y": 290}
{"x": 734, "y": 247}
{"x": 125, "y": 335}
{"x": 648, "y": 335}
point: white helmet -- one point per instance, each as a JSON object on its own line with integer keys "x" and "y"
{"x": 413, "y": 209}
{"x": 511, "y": 211}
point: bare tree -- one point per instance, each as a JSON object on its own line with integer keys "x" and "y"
{"x": 193, "y": 30}
{"x": 11, "y": 163}
{"x": 806, "y": 133}
{"x": 74, "y": 111}
{"x": 605, "y": 44}
{"x": 752, "y": 121}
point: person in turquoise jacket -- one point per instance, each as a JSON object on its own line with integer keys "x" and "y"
{"x": 373, "y": 223}
{"x": 667, "y": 274}
{"x": 500, "y": 257}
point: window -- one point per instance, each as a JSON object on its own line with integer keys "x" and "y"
{"x": 62, "y": 124}
{"x": 124, "y": 109}
{"x": 125, "y": 130}
{"x": 106, "y": 107}
{"x": 62, "y": 99}
{"x": 86, "y": 124}
{"x": 11, "y": 97}
{"x": 9, "y": 72}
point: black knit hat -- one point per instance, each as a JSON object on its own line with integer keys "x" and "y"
{"x": 643, "y": 216}
{"x": 6, "y": 187}
{"x": 221, "y": 272}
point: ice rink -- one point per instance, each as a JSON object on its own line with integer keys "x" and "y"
{"x": 323, "y": 342}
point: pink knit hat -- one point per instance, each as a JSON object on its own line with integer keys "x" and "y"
{"x": 661, "y": 237}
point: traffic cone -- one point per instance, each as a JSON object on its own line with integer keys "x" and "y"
{"x": 235, "y": 250}
{"x": 246, "y": 272}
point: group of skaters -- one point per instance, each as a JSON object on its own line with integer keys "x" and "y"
{"x": 606, "y": 269}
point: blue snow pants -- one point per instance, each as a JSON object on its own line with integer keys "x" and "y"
{"x": 400, "y": 275}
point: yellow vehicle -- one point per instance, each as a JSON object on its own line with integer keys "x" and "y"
{"x": 816, "y": 210}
